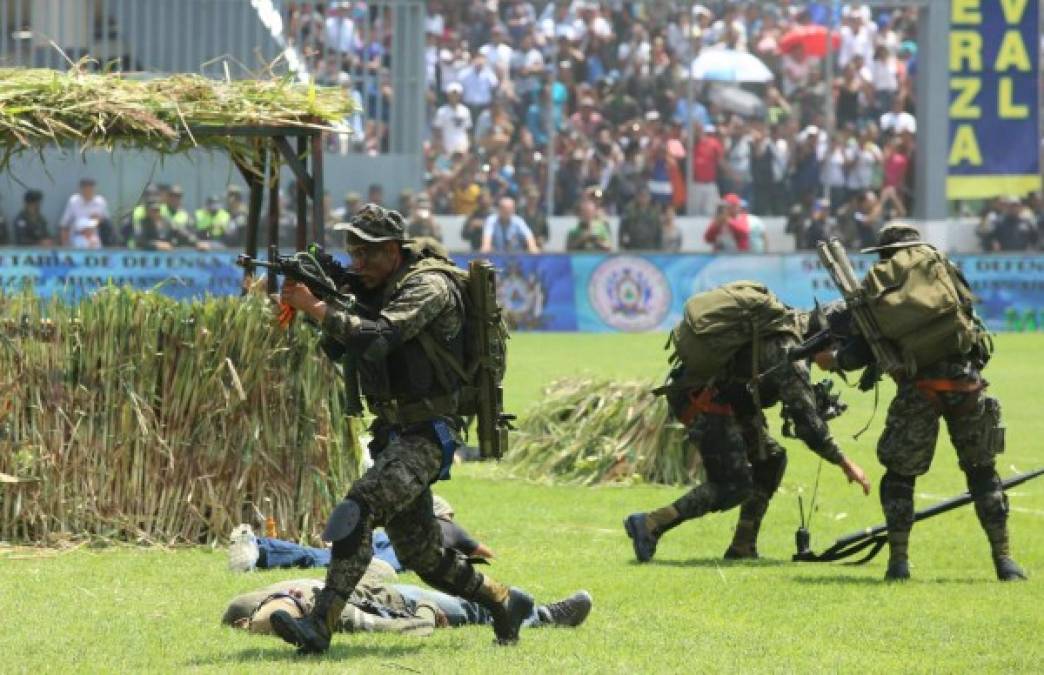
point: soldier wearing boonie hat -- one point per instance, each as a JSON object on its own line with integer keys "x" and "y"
{"x": 408, "y": 325}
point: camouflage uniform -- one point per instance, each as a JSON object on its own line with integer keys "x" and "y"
{"x": 414, "y": 431}
{"x": 954, "y": 389}
{"x": 744, "y": 465}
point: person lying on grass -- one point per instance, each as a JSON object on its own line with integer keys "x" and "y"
{"x": 379, "y": 605}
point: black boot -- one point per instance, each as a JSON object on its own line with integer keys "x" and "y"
{"x": 570, "y": 612}
{"x": 508, "y": 606}
{"x": 744, "y": 544}
{"x": 1008, "y": 569}
{"x": 898, "y": 570}
{"x": 311, "y": 633}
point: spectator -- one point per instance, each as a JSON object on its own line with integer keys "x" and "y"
{"x": 897, "y": 120}
{"x": 179, "y": 218}
{"x": 237, "y": 210}
{"x": 805, "y": 177}
{"x": 737, "y": 176}
{"x": 478, "y": 84}
{"x": 670, "y": 235}
{"x": 352, "y": 202}
{"x": 707, "y": 156}
{"x": 809, "y": 222}
{"x": 591, "y": 232}
{"x": 405, "y": 205}
{"x": 534, "y": 212}
{"x": 453, "y": 120}
{"x": 1015, "y": 229}
{"x": 421, "y": 222}
{"x": 884, "y": 78}
{"x": 729, "y": 230}
{"x": 466, "y": 193}
{"x": 833, "y": 170}
{"x": 475, "y": 222}
{"x": 762, "y": 170}
{"x": 641, "y": 224}
{"x": 30, "y": 227}
{"x": 586, "y": 120}
{"x": 867, "y": 216}
{"x": 86, "y": 213}
{"x": 505, "y": 232}
{"x": 213, "y": 223}
{"x": 157, "y": 233}
{"x": 896, "y": 165}
{"x": 495, "y": 127}
{"x": 375, "y": 194}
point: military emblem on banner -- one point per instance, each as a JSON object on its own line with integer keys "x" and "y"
{"x": 629, "y": 293}
{"x": 522, "y": 296}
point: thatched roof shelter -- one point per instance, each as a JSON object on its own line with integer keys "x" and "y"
{"x": 248, "y": 119}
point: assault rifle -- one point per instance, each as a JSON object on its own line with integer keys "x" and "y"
{"x": 313, "y": 268}
{"x": 835, "y": 260}
{"x": 874, "y": 538}
{"x": 806, "y": 350}
{"x": 493, "y": 424}
{"x": 317, "y": 270}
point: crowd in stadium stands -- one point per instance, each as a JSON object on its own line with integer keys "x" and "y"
{"x": 603, "y": 89}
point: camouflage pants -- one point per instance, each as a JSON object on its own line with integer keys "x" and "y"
{"x": 907, "y": 444}
{"x": 735, "y": 472}
{"x": 395, "y": 492}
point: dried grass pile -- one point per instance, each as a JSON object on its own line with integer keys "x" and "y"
{"x": 137, "y": 417}
{"x": 591, "y": 431}
{"x": 40, "y": 107}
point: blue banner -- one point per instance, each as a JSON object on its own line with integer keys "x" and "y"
{"x": 994, "y": 68}
{"x": 586, "y": 292}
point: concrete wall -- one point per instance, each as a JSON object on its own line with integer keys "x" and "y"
{"x": 121, "y": 176}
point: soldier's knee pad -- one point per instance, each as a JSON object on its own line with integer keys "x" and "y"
{"x": 768, "y": 474}
{"x": 894, "y": 485}
{"x": 733, "y": 493}
{"x": 346, "y": 526}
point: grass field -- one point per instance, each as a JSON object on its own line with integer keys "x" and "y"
{"x": 126, "y": 609}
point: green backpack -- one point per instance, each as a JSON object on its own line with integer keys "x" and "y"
{"x": 923, "y": 305}
{"x": 717, "y": 323}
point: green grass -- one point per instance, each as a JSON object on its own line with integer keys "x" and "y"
{"x": 127, "y": 609}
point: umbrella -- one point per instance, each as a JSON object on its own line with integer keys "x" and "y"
{"x": 812, "y": 37}
{"x": 736, "y": 100}
{"x": 729, "y": 65}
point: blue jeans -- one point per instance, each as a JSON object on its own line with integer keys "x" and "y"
{"x": 460, "y": 612}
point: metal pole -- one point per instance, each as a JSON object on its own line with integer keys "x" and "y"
{"x": 831, "y": 120}
{"x": 933, "y": 97}
{"x": 552, "y": 132}
{"x": 691, "y": 150}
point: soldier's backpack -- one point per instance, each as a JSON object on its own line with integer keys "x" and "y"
{"x": 923, "y": 305}
{"x": 485, "y": 347}
{"x": 717, "y": 323}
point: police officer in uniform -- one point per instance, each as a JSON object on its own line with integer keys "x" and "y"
{"x": 414, "y": 400}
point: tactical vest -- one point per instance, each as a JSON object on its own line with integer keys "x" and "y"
{"x": 413, "y": 383}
